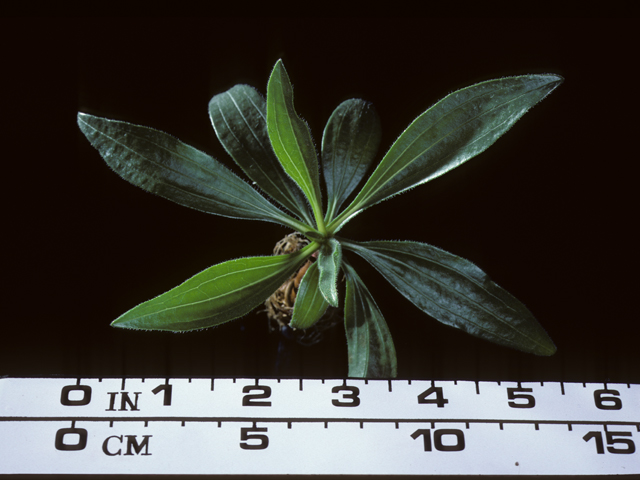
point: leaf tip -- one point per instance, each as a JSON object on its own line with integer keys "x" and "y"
{"x": 547, "y": 350}
{"x": 117, "y": 323}
{"x": 124, "y": 321}
{"x": 555, "y": 80}
{"x": 277, "y": 67}
{"x": 81, "y": 117}
{"x": 544, "y": 346}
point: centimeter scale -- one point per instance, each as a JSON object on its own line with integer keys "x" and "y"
{"x": 291, "y": 426}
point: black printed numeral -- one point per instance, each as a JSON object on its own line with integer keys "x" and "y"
{"x": 65, "y": 395}
{"x": 439, "y": 397}
{"x": 349, "y": 399}
{"x": 166, "y": 397}
{"x": 521, "y": 394}
{"x": 250, "y": 433}
{"x": 607, "y": 399}
{"x": 254, "y": 399}
{"x": 77, "y": 434}
{"x": 438, "y": 443}
{"x": 612, "y": 440}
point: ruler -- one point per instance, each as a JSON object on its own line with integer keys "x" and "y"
{"x": 338, "y": 426}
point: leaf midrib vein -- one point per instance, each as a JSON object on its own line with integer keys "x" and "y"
{"x": 249, "y": 206}
{"x": 382, "y": 176}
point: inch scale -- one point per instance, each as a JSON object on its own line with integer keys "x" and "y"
{"x": 292, "y": 426}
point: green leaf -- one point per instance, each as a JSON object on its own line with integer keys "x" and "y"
{"x": 369, "y": 343}
{"x": 329, "y": 262}
{"x": 218, "y": 294}
{"x": 455, "y": 129}
{"x": 239, "y": 117}
{"x": 310, "y": 305}
{"x": 456, "y": 292}
{"x": 349, "y": 145}
{"x": 291, "y": 138}
{"x": 161, "y": 164}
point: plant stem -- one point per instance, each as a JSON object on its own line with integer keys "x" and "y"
{"x": 295, "y": 224}
{"x": 343, "y": 218}
{"x": 322, "y": 228}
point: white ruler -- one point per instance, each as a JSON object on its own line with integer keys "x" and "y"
{"x": 270, "y": 426}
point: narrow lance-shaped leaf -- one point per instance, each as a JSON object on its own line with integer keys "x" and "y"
{"x": 218, "y": 294}
{"x": 329, "y": 262}
{"x": 161, "y": 164}
{"x": 291, "y": 138}
{"x": 455, "y": 129}
{"x": 349, "y": 145}
{"x": 369, "y": 343}
{"x": 310, "y": 305}
{"x": 456, "y": 292}
{"x": 239, "y": 117}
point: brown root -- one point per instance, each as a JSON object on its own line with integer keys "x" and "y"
{"x": 279, "y": 306}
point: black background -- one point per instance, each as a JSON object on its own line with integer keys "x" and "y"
{"x": 547, "y": 212}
